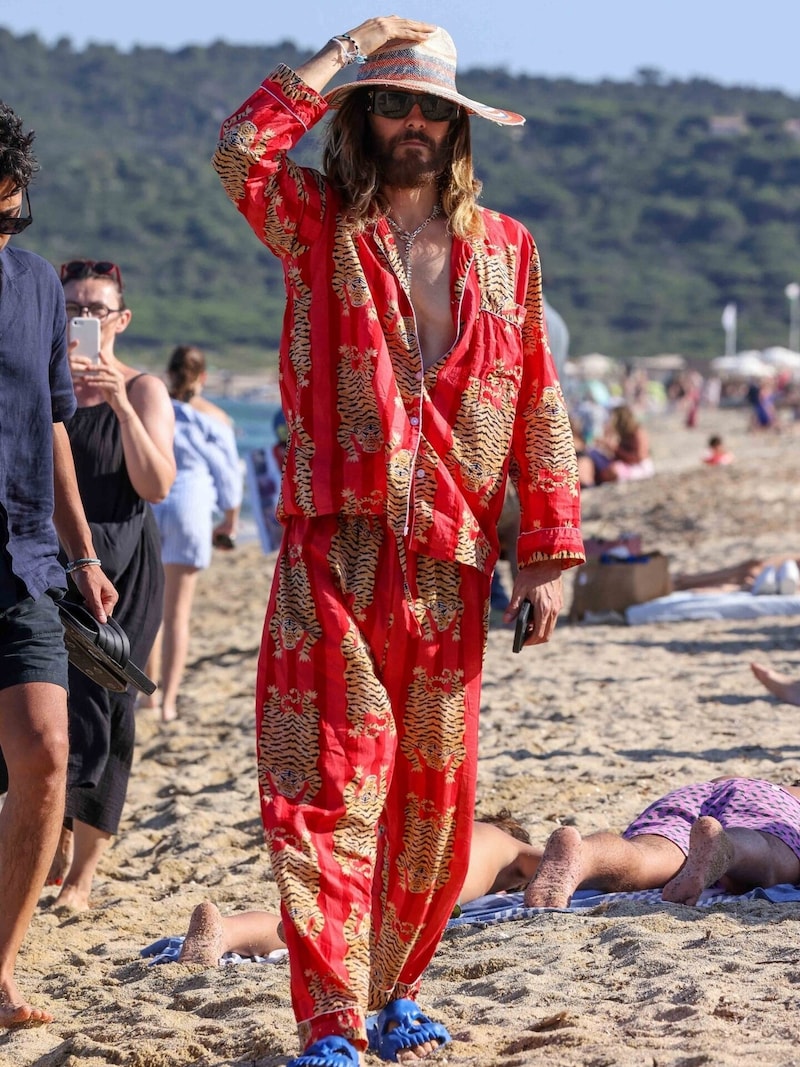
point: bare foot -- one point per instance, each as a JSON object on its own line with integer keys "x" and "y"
{"x": 169, "y": 713}
{"x": 710, "y": 855}
{"x": 203, "y": 942}
{"x": 15, "y": 1011}
{"x": 149, "y": 700}
{"x": 780, "y": 685}
{"x": 62, "y": 861}
{"x": 560, "y": 871}
{"x": 71, "y": 900}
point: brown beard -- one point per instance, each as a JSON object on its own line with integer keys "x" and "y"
{"x": 409, "y": 171}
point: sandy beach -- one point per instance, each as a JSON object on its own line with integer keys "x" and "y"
{"x": 586, "y": 730}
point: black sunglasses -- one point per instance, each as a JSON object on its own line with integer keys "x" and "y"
{"x": 396, "y": 104}
{"x": 90, "y": 268}
{"x": 11, "y": 224}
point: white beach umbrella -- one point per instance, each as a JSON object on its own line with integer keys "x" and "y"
{"x": 782, "y": 358}
{"x": 748, "y": 364}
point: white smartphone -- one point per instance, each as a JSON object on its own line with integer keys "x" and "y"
{"x": 87, "y": 333}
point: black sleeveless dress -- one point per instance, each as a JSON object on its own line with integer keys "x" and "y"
{"x": 126, "y": 540}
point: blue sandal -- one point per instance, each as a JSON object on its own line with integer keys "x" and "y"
{"x": 333, "y": 1051}
{"x": 412, "y": 1028}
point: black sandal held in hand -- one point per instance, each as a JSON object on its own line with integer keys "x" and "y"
{"x": 100, "y": 649}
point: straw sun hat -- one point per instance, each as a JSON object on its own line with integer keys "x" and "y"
{"x": 428, "y": 66}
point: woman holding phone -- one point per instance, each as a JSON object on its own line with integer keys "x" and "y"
{"x": 209, "y": 481}
{"x": 121, "y": 437}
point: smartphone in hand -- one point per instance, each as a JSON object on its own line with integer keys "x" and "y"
{"x": 87, "y": 333}
{"x": 523, "y": 621}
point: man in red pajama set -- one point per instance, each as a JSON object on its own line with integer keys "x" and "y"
{"x": 415, "y": 374}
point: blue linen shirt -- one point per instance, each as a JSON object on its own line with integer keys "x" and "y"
{"x": 35, "y": 391}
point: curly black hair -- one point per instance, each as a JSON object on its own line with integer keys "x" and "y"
{"x": 17, "y": 161}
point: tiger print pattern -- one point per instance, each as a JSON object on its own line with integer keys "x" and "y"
{"x": 288, "y": 764}
{"x": 396, "y": 938}
{"x": 364, "y": 798}
{"x": 549, "y": 434}
{"x": 294, "y": 623}
{"x": 369, "y": 711}
{"x": 304, "y": 449}
{"x": 353, "y": 560}
{"x": 431, "y": 742}
{"x": 300, "y": 340}
{"x": 424, "y": 863}
{"x": 436, "y": 599}
{"x": 357, "y": 936}
{"x": 360, "y": 428}
{"x": 238, "y": 151}
{"x": 482, "y": 431}
{"x": 348, "y": 281}
{"x": 294, "y": 863}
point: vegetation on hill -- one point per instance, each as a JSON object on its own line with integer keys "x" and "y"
{"x": 654, "y": 203}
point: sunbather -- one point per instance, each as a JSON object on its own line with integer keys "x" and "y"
{"x": 501, "y": 858}
{"x": 684, "y": 842}
{"x": 738, "y": 832}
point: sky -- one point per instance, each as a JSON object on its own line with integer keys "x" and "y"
{"x": 726, "y": 41}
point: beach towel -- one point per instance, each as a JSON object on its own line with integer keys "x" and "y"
{"x": 688, "y": 606}
{"x": 506, "y": 907}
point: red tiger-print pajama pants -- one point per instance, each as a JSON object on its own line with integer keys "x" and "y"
{"x": 367, "y": 702}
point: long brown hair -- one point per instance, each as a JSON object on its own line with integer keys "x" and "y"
{"x": 186, "y": 366}
{"x": 354, "y": 174}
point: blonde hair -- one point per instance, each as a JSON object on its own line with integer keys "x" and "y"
{"x": 354, "y": 174}
{"x": 624, "y": 421}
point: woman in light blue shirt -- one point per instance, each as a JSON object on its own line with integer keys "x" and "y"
{"x": 209, "y": 481}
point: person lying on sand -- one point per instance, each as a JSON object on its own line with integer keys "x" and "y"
{"x": 697, "y": 836}
{"x": 783, "y": 686}
{"x": 736, "y": 832}
{"x": 774, "y": 574}
{"x": 502, "y": 858}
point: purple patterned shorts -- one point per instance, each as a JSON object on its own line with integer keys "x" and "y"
{"x": 749, "y": 803}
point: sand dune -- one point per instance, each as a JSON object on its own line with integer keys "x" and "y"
{"x": 588, "y": 729}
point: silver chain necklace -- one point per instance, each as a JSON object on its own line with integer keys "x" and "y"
{"x": 409, "y": 237}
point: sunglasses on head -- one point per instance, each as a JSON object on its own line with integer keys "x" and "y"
{"x": 11, "y": 224}
{"x": 396, "y": 104}
{"x": 90, "y": 268}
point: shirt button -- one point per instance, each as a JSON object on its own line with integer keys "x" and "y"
{"x": 419, "y": 375}
{"x": 414, "y": 420}
{"x": 420, "y": 474}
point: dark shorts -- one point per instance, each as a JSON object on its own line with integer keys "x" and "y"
{"x": 32, "y": 644}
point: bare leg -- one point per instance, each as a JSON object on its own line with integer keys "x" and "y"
{"x": 90, "y": 844}
{"x": 62, "y": 860}
{"x": 740, "y": 858}
{"x": 602, "y": 861}
{"x": 780, "y": 685}
{"x": 33, "y": 736}
{"x": 732, "y": 577}
{"x": 179, "y": 586}
{"x": 250, "y": 933}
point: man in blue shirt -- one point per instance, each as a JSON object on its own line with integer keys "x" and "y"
{"x": 39, "y": 504}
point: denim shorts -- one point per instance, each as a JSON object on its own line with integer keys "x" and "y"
{"x": 32, "y": 644}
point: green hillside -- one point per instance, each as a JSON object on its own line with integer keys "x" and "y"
{"x": 654, "y": 203}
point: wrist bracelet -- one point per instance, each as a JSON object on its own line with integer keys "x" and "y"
{"x": 351, "y": 54}
{"x": 78, "y": 564}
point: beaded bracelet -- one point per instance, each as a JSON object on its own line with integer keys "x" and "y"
{"x": 353, "y": 54}
{"x": 78, "y": 564}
